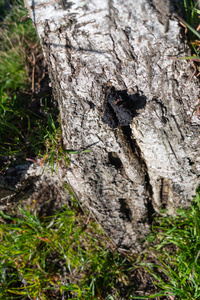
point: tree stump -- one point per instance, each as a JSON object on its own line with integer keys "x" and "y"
{"x": 122, "y": 96}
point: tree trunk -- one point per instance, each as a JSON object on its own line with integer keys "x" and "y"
{"x": 123, "y": 97}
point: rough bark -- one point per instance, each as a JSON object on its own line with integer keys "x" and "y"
{"x": 121, "y": 96}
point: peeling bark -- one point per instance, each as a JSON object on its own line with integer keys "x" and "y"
{"x": 121, "y": 96}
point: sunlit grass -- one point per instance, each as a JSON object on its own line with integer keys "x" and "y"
{"x": 64, "y": 254}
{"x": 176, "y": 251}
{"x": 24, "y": 124}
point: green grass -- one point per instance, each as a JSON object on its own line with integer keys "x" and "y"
{"x": 17, "y": 39}
{"x": 4, "y": 7}
{"x": 191, "y": 26}
{"x": 65, "y": 254}
{"x": 191, "y": 17}
{"x": 176, "y": 251}
{"x": 68, "y": 254}
{"x": 29, "y": 118}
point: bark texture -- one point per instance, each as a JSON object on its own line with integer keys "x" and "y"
{"x": 121, "y": 96}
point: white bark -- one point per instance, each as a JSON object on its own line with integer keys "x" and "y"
{"x": 123, "y": 97}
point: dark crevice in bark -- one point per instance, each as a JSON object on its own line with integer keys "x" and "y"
{"x": 149, "y": 205}
{"x": 137, "y": 152}
{"x": 110, "y": 117}
{"x": 164, "y": 192}
{"x": 135, "y": 148}
{"x": 191, "y": 163}
{"x": 66, "y": 4}
{"x": 125, "y": 210}
{"x": 163, "y": 110}
{"x": 178, "y": 127}
{"x": 171, "y": 147}
{"x": 91, "y": 104}
{"x": 115, "y": 52}
{"x": 114, "y": 160}
{"x": 120, "y": 108}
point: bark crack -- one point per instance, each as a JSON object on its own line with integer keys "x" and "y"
{"x": 164, "y": 192}
{"x": 115, "y": 52}
{"x": 171, "y": 147}
{"x": 138, "y": 154}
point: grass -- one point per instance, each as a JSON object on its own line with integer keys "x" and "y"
{"x": 63, "y": 255}
{"x": 191, "y": 26}
{"x": 29, "y": 114}
{"x": 176, "y": 251}
{"x": 67, "y": 255}
{"x": 17, "y": 41}
{"x": 192, "y": 21}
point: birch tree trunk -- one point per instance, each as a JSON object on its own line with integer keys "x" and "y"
{"x": 121, "y": 96}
